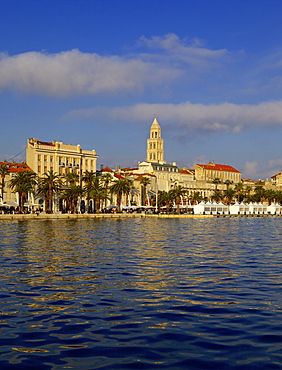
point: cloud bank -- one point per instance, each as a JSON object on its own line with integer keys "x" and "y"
{"x": 73, "y": 72}
{"x": 225, "y": 117}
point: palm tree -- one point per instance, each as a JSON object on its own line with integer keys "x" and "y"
{"x": 120, "y": 187}
{"x": 196, "y": 197}
{"x": 177, "y": 192}
{"x": 49, "y": 184}
{"x": 270, "y": 195}
{"x": 165, "y": 198}
{"x": 23, "y": 183}
{"x": 105, "y": 180}
{"x": 227, "y": 183}
{"x": 248, "y": 190}
{"x": 4, "y": 171}
{"x": 239, "y": 188}
{"x": 74, "y": 192}
{"x": 216, "y": 181}
{"x": 72, "y": 178}
{"x": 127, "y": 192}
{"x": 99, "y": 195}
{"x": 216, "y": 196}
{"x": 229, "y": 195}
{"x": 144, "y": 181}
{"x": 91, "y": 182}
{"x": 260, "y": 193}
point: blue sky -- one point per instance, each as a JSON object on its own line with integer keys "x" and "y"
{"x": 95, "y": 72}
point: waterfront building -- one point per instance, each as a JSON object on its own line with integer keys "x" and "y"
{"x": 276, "y": 180}
{"x": 42, "y": 156}
{"x": 165, "y": 176}
{"x": 11, "y": 199}
{"x": 211, "y": 171}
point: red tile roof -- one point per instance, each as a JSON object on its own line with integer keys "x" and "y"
{"x": 274, "y": 176}
{"x": 107, "y": 169}
{"x": 130, "y": 169}
{"x": 119, "y": 176}
{"x": 42, "y": 143}
{"x": 218, "y": 167}
{"x": 140, "y": 176}
{"x": 186, "y": 172}
{"x": 16, "y": 167}
{"x": 45, "y": 143}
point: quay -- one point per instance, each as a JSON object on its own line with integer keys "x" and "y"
{"x": 90, "y": 216}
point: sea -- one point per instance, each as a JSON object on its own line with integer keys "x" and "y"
{"x": 141, "y": 293}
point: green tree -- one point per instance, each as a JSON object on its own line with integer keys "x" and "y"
{"x": 196, "y": 197}
{"x": 49, "y": 184}
{"x": 120, "y": 187}
{"x": 259, "y": 194}
{"x": 165, "y": 198}
{"x": 4, "y": 171}
{"x": 216, "y": 181}
{"x": 248, "y": 189}
{"x": 23, "y": 183}
{"x": 91, "y": 182}
{"x": 216, "y": 196}
{"x": 129, "y": 183}
{"x": 74, "y": 192}
{"x": 106, "y": 180}
{"x": 239, "y": 189}
{"x": 99, "y": 195}
{"x": 227, "y": 183}
{"x": 72, "y": 178}
{"x": 177, "y": 193}
{"x": 229, "y": 194}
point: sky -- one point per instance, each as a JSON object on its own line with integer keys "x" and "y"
{"x": 96, "y": 72}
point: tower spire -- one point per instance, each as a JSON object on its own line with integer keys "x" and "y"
{"x": 155, "y": 145}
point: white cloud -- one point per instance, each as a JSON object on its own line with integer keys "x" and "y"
{"x": 274, "y": 163}
{"x": 251, "y": 169}
{"x": 190, "y": 52}
{"x": 225, "y": 117}
{"x": 74, "y": 72}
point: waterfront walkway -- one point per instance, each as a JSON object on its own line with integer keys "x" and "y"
{"x": 90, "y": 216}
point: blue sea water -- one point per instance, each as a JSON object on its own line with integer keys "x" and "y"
{"x": 141, "y": 294}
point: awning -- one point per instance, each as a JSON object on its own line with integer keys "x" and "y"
{"x": 9, "y": 204}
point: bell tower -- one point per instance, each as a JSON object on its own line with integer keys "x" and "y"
{"x": 155, "y": 144}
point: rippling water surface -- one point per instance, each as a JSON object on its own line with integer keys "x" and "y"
{"x": 141, "y": 294}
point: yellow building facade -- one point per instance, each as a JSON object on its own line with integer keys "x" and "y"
{"x": 42, "y": 156}
{"x": 211, "y": 171}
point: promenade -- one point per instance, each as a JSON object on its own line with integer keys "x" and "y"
{"x": 89, "y": 216}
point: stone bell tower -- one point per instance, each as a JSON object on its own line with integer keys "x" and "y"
{"x": 155, "y": 144}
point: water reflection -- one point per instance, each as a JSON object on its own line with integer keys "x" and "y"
{"x": 148, "y": 293}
